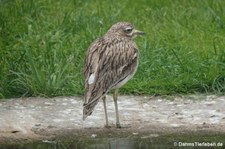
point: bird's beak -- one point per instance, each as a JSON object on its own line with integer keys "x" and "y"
{"x": 137, "y": 32}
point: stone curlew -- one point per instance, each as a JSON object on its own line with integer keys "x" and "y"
{"x": 110, "y": 62}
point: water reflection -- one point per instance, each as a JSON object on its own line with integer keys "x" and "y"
{"x": 159, "y": 142}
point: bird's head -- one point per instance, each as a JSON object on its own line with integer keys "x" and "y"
{"x": 125, "y": 29}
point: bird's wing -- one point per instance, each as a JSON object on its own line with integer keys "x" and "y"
{"x": 105, "y": 66}
{"x": 91, "y": 67}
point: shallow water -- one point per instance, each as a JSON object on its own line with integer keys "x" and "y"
{"x": 144, "y": 142}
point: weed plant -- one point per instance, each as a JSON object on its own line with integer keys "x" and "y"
{"x": 43, "y": 44}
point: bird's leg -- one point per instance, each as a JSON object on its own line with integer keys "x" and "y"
{"x": 105, "y": 109}
{"x": 115, "y": 98}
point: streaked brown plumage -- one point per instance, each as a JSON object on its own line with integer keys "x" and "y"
{"x": 110, "y": 62}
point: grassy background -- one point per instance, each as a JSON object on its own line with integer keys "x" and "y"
{"x": 43, "y": 43}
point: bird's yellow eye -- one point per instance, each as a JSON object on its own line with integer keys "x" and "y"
{"x": 128, "y": 30}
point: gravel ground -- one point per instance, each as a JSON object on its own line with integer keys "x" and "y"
{"x": 40, "y": 118}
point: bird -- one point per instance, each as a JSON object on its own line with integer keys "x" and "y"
{"x": 110, "y": 62}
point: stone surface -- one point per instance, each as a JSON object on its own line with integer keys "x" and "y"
{"x": 38, "y": 118}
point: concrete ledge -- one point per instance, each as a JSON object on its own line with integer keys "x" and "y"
{"x": 38, "y": 118}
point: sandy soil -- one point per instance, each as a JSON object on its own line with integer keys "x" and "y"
{"x": 27, "y": 119}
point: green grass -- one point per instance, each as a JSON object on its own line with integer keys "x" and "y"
{"x": 43, "y": 43}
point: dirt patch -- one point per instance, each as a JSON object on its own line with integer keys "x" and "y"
{"x": 28, "y": 119}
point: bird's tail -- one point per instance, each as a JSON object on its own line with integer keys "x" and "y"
{"x": 88, "y": 108}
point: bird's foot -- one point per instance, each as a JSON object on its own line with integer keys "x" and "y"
{"x": 118, "y": 125}
{"x": 107, "y": 126}
{"x": 122, "y": 126}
